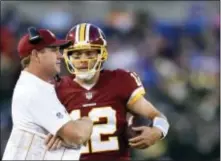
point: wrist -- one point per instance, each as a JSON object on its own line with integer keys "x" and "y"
{"x": 158, "y": 132}
{"x": 162, "y": 124}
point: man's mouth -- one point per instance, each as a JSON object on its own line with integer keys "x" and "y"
{"x": 83, "y": 66}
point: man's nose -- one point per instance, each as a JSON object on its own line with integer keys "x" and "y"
{"x": 84, "y": 56}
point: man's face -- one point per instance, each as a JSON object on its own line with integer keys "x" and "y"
{"x": 84, "y": 60}
{"x": 50, "y": 60}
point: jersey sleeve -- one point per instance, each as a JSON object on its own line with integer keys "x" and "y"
{"x": 49, "y": 112}
{"x": 131, "y": 87}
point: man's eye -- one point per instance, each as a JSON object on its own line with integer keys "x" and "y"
{"x": 75, "y": 57}
{"x": 90, "y": 55}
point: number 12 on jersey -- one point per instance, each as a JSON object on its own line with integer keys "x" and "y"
{"x": 96, "y": 144}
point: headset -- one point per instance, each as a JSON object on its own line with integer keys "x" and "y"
{"x": 34, "y": 35}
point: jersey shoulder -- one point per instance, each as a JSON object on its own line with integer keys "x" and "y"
{"x": 122, "y": 72}
{"x": 64, "y": 82}
{"x": 116, "y": 74}
{"x": 126, "y": 76}
{"x": 129, "y": 85}
{"x": 113, "y": 77}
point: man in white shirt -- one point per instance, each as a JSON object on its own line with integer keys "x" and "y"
{"x": 36, "y": 110}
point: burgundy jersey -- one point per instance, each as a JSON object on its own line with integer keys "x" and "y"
{"x": 106, "y": 104}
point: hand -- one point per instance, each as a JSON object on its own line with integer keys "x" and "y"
{"x": 148, "y": 137}
{"x": 89, "y": 127}
{"x": 53, "y": 142}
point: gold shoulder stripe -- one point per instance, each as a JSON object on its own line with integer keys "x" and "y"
{"x": 133, "y": 99}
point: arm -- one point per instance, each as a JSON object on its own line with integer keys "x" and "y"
{"x": 145, "y": 108}
{"x": 148, "y": 135}
{"x": 136, "y": 102}
{"x": 83, "y": 131}
{"x": 51, "y": 115}
{"x": 81, "y": 134}
{"x": 133, "y": 93}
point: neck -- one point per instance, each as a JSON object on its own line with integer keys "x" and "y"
{"x": 91, "y": 81}
{"x": 38, "y": 72}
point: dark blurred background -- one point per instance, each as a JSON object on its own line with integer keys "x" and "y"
{"x": 173, "y": 45}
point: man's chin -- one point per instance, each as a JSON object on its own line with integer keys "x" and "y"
{"x": 85, "y": 76}
{"x": 58, "y": 70}
{"x": 82, "y": 70}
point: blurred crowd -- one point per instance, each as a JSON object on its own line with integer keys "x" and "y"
{"x": 178, "y": 62}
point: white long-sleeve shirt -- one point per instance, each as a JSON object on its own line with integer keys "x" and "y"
{"x": 36, "y": 111}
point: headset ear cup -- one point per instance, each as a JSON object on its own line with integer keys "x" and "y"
{"x": 34, "y": 35}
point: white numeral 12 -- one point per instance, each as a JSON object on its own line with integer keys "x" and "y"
{"x": 96, "y": 144}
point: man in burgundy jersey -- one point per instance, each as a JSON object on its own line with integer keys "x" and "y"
{"x": 106, "y": 97}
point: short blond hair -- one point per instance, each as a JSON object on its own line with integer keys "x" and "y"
{"x": 25, "y": 61}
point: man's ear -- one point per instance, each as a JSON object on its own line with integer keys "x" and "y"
{"x": 35, "y": 55}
